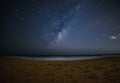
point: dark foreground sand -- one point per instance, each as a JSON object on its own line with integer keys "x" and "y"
{"x": 89, "y": 71}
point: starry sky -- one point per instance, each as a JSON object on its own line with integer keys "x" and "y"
{"x": 60, "y": 27}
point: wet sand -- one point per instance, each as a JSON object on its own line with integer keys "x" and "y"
{"x": 106, "y": 70}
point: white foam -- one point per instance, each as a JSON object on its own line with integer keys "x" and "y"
{"x": 62, "y": 58}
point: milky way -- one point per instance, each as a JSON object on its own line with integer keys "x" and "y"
{"x": 60, "y": 26}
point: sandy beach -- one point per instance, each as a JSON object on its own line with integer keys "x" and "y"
{"x": 106, "y": 70}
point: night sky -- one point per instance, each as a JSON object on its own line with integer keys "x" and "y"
{"x": 59, "y": 27}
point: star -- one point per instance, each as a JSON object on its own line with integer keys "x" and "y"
{"x": 114, "y": 1}
{"x": 22, "y": 18}
{"x": 97, "y": 39}
{"x": 17, "y": 10}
